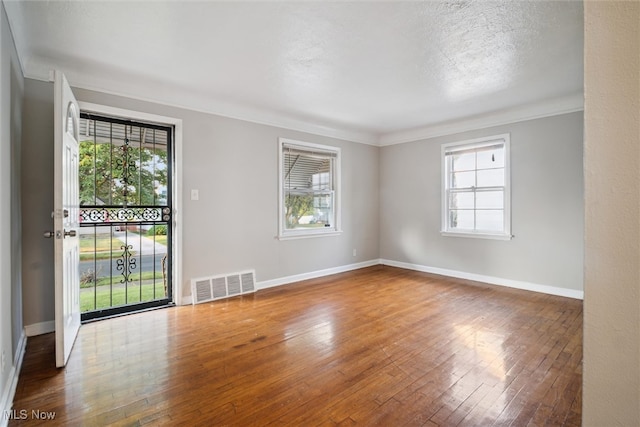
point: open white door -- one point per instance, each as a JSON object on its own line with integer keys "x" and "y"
{"x": 66, "y": 218}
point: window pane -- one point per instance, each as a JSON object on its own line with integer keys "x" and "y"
{"x": 461, "y": 219}
{"x": 464, "y": 161}
{"x": 297, "y": 207}
{"x": 490, "y": 220}
{"x": 463, "y": 179}
{"x": 491, "y": 178}
{"x": 461, "y": 200}
{"x": 320, "y": 181}
{"x": 308, "y": 211}
{"x": 493, "y": 158}
{"x": 322, "y": 201}
{"x": 489, "y": 199}
{"x": 323, "y": 211}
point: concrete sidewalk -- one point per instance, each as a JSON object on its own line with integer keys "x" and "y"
{"x": 140, "y": 244}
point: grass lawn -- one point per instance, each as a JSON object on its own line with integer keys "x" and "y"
{"x": 103, "y": 297}
{"x": 160, "y": 239}
{"x": 102, "y": 245}
{"x": 133, "y": 277}
{"x": 99, "y": 243}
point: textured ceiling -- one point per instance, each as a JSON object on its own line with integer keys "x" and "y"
{"x": 370, "y": 70}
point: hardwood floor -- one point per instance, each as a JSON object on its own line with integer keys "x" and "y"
{"x": 377, "y": 346}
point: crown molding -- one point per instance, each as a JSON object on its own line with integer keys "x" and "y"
{"x": 547, "y": 108}
{"x": 201, "y": 103}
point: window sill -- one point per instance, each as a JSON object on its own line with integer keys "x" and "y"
{"x": 307, "y": 234}
{"x": 476, "y": 235}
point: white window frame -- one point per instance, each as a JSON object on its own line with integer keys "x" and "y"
{"x": 505, "y": 234}
{"x": 336, "y": 228}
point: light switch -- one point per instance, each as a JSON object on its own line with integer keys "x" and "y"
{"x": 195, "y": 195}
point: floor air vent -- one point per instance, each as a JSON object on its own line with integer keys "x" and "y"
{"x": 217, "y": 287}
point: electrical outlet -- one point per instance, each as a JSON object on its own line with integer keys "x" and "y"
{"x": 195, "y": 195}
{"x": 354, "y": 252}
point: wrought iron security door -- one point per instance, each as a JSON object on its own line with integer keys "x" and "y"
{"x": 125, "y": 215}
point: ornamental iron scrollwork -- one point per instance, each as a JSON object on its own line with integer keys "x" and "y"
{"x": 92, "y": 215}
{"x": 128, "y": 166}
{"x": 126, "y": 263}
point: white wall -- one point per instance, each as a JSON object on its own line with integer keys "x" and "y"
{"x": 11, "y": 336}
{"x": 233, "y": 225}
{"x": 547, "y": 205}
{"x": 611, "y": 380}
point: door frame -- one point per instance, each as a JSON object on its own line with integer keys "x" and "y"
{"x": 176, "y": 249}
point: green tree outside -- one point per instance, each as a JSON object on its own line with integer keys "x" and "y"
{"x": 297, "y": 206}
{"x": 114, "y": 175}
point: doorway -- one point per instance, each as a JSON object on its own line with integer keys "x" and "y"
{"x": 126, "y": 205}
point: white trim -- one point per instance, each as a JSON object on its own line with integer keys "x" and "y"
{"x": 478, "y": 235}
{"x": 203, "y": 104}
{"x": 284, "y": 234}
{"x": 517, "y": 284}
{"x": 472, "y": 144}
{"x": 509, "y": 283}
{"x": 40, "y": 328}
{"x": 198, "y": 103}
{"x": 548, "y": 108}
{"x": 294, "y": 235}
{"x": 6, "y": 401}
{"x": 177, "y": 178}
{"x": 314, "y": 274}
{"x": 127, "y": 114}
{"x": 20, "y": 351}
{"x": 177, "y": 210}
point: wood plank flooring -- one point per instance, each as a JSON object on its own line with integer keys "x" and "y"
{"x": 377, "y": 346}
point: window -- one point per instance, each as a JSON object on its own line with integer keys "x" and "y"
{"x": 476, "y": 194}
{"x": 309, "y": 203}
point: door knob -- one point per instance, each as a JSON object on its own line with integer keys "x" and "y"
{"x": 70, "y": 233}
{"x": 48, "y": 234}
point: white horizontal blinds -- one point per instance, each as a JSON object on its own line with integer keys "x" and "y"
{"x": 476, "y": 186}
{"x": 307, "y": 168}
{"x": 309, "y": 151}
{"x": 115, "y": 133}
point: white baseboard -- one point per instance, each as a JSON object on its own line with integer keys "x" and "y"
{"x": 20, "y": 351}
{"x": 188, "y": 299}
{"x": 517, "y": 284}
{"x": 314, "y": 274}
{"x": 6, "y": 402}
{"x": 40, "y": 328}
